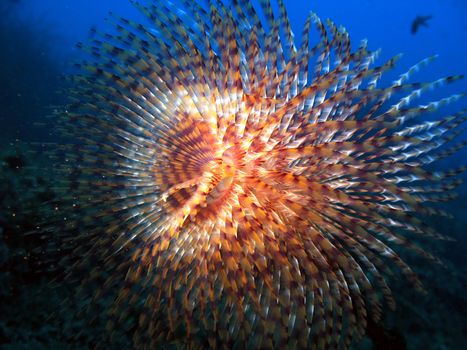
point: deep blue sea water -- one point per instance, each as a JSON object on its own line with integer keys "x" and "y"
{"x": 385, "y": 24}
{"x": 39, "y": 38}
{"x": 60, "y": 24}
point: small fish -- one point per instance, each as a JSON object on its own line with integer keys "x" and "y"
{"x": 419, "y": 21}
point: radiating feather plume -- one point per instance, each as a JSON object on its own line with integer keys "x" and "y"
{"x": 235, "y": 188}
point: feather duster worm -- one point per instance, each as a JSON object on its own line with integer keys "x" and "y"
{"x": 238, "y": 191}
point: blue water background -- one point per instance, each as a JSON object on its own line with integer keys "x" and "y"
{"x": 385, "y": 24}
